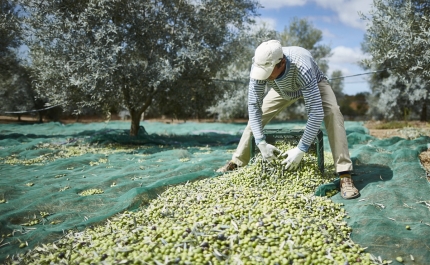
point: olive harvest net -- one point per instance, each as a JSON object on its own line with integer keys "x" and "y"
{"x": 57, "y": 178}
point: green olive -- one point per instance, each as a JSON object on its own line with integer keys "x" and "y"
{"x": 260, "y": 213}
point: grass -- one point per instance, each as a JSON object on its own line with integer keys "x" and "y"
{"x": 395, "y": 125}
{"x": 392, "y": 125}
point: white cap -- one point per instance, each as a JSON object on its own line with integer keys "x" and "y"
{"x": 267, "y": 55}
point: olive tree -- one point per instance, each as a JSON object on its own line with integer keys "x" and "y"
{"x": 390, "y": 101}
{"x": 132, "y": 53}
{"x": 398, "y": 38}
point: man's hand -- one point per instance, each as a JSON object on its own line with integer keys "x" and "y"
{"x": 267, "y": 151}
{"x": 295, "y": 155}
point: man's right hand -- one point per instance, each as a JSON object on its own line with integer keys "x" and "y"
{"x": 268, "y": 151}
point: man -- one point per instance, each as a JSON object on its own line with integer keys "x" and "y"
{"x": 292, "y": 73}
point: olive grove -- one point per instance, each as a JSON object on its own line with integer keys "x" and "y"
{"x": 398, "y": 38}
{"x": 133, "y": 54}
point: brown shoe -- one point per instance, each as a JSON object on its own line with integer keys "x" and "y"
{"x": 347, "y": 188}
{"x": 230, "y": 166}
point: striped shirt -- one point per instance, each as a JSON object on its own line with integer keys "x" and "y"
{"x": 300, "y": 79}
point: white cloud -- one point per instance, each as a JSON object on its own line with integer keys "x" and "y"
{"x": 267, "y": 22}
{"x": 346, "y": 10}
{"x": 327, "y": 34}
{"x": 342, "y": 54}
{"x": 355, "y": 80}
{"x": 346, "y": 60}
{"x": 281, "y": 3}
{"x": 346, "y": 69}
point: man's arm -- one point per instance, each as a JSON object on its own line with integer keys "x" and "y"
{"x": 314, "y": 109}
{"x": 313, "y": 104}
{"x": 255, "y": 101}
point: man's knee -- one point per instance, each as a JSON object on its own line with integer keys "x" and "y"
{"x": 332, "y": 110}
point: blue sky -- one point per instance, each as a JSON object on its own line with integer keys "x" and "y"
{"x": 343, "y": 30}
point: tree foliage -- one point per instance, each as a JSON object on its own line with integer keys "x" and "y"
{"x": 355, "y": 106}
{"x": 15, "y": 91}
{"x": 9, "y": 29}
{"x": 398, "y": 38}
{"x": 133, "y": 53}
{"x": 390, "y": 102}
{"x": 301, "y": 32}
{"x": 336, "y": 83}
{"x": 234, "y": 79}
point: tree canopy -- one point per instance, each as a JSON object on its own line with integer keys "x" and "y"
{"x": 301, "y": 32}
{"x": 398, "y": 38}
{"x": 14, "y": 85}
{"x": 132, "y": 54}
{"x": 10, "y": 33}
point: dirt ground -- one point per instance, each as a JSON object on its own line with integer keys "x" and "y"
{"x": 413, "y": 129}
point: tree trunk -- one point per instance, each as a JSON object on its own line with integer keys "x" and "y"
{"x": 135, "y": 121}
{"x": 423, "y": 116}
{"x": 40, "y": 116}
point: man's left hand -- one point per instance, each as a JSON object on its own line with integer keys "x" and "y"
{"x": 294, "y": 156}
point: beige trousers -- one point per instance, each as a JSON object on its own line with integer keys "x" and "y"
{"x": 273, "y": 103}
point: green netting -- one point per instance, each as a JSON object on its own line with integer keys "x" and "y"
{"x": 394, "y": 195}
{"x": 44, "y": 168}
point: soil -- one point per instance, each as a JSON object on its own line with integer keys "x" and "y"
{"x": 412, "y": 130}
